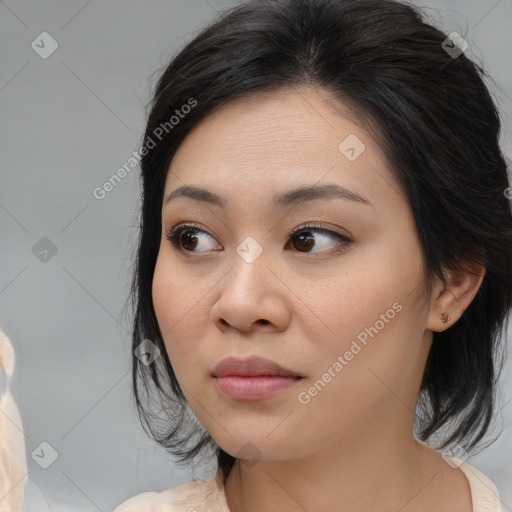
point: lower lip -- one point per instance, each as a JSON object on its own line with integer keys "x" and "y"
{"x": 253, "y": 388}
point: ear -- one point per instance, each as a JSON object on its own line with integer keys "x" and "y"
{"x": 451, "y": 302}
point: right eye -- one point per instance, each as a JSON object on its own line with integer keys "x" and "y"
{"x": 191, "y": 239}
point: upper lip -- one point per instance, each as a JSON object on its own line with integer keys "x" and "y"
{"x": 251, "y": 366}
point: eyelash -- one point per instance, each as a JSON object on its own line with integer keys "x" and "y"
{"x": 173, "y": 235}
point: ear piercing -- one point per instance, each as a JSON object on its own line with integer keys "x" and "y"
{"x": 445, "y": 318}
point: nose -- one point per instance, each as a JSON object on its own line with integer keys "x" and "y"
{"x": 252, "y": 296}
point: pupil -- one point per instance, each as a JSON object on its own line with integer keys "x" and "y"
{"x": 307, "y": 241}
{"x": 189, "y": 236}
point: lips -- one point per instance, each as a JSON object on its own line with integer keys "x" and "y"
{"x": 251, "y": 367}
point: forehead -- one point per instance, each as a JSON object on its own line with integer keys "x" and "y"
{"x": 277, "y": 140}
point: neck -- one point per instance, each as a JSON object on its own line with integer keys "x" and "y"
{"x": 390, "y": 463}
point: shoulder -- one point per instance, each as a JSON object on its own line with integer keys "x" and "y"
{"x": 483, "y": 492}
{"x": 194, "y": 496}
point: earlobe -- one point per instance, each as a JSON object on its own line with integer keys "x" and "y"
{"x": 455, "y": 298}
{"x": 445, "y": 318}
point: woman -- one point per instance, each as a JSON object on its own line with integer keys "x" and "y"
{"x": 323, "y": 276}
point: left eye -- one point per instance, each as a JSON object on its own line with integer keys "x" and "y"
{"x": 304, "y": 235}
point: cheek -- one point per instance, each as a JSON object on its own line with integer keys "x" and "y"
{"x": 170, "y": 307}
{"x": 164, "y": 295}
{"x": 367, "y": 365}
{"x": 175, "y": 295}
{"x": 178, "y": 306}
{"x": 373, "y": 323}
{"x": 349, "y": 303}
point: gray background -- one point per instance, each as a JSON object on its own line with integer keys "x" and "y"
{"x": 68, "y": 123}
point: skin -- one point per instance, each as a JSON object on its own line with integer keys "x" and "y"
{"x": 302, "y": 307}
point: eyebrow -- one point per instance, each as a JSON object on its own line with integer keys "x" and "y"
{"x": 289, "y": 198}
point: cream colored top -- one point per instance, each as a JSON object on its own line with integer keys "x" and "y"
{"x": 208, "y": 496}
{"x": 13, "y": 462}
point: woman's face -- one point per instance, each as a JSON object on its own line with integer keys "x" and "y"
{"x": 349, "y": 315}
